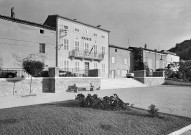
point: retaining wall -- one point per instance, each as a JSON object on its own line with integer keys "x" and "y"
{"x": 151, "y": 81}
{"x": 18, "y": 86}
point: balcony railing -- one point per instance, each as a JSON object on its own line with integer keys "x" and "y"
{"x": 86, "y": 55}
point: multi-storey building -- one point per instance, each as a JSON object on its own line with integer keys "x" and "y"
{"x": 171, "y": 57}
{"x": 20, "y": 39}
{"x": 153, "y": 58}
{"x": 81, "y": 47}
{"x": 120, "y": 61}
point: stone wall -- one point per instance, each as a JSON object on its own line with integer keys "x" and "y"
{"x": 62, "y": 83}
{"x": 151, "y": 81}
{"x": 176, "y": 82}
{"x": 18, "y": 86}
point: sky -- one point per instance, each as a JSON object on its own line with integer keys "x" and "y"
{"x": 158, "y": 23}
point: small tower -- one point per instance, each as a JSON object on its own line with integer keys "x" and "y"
{"x": 12, "y": 13}
{"x": 145, "y": 46}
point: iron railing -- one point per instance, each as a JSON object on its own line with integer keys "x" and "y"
{"x": 86, "y": 55}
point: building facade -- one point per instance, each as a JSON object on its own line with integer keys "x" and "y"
{"x": 153, "y": 58}
{"x": 120, "y": 61}
{"x": 20, "y": 39}
{"x": 81, "y": 48}
{"x": 171, "y": 57}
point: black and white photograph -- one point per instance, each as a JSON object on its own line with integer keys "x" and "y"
{"x": 95, "y": 67}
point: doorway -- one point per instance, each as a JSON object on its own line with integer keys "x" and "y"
{"x": 112, "y": 73}
{"x": 86, "y": 68}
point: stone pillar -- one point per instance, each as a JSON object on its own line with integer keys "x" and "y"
{"x": 53, "y": 72}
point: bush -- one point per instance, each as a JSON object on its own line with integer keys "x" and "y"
{"x": 185, "y": 70}
{"x": 153, "y": 110}
{"x": 105, "y": 103}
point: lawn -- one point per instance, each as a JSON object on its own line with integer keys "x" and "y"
{"x": 68, "y": 119}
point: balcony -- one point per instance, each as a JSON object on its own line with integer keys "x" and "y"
{"x": 85, "y": 55}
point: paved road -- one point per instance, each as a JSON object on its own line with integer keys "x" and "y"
{"x": 169, "y": 99}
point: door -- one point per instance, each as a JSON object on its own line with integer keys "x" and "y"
{"x": 112, "y": 73}
{"x": 86, "y": 68}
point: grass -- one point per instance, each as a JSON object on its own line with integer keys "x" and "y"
{"x": 69, "y": 119}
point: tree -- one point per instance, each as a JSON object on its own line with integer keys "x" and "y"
{"x": 32, "y": 67}
{"x": 185, "y": 70}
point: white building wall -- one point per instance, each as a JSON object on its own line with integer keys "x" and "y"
{"x": 172, "y": 58}
{"x": 100, "y": 40}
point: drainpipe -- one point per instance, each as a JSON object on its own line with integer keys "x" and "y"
{"x": 56, "y": 41}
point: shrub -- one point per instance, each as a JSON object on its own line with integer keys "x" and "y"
{"x": 153, "y": 111}
{"x": 105, "y": 103}
{"x": 32, "y": 67}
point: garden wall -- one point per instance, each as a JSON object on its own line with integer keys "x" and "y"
{"x": 176, "y": 82}
{"x": 62, "y": 83}
{"x": 15, "y": 86}
{"x": 18, "y": 86}
{"x": 151, "y": 81}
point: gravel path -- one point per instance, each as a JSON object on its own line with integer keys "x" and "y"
{"x": 169, "y": 99}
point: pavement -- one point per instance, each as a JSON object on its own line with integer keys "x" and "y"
{"x": 169, "y": 99}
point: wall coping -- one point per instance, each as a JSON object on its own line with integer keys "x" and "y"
{"x": 149, "y": 77}
{"x": 79, "y": 77}
{"x": 40, "y": 78}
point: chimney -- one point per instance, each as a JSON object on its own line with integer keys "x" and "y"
{"x": 145, "y": 46}
{"x": 12, "y": 13}
{"x": 75, "y": 19}
{"x": 99, "y": 26}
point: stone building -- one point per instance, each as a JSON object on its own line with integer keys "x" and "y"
{"x": 120, "y": 61}
{"x": 20, "y": 39}
{"x": 81, "y": 48}
{"x": 153, "y": 58}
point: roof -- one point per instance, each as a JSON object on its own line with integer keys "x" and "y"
{"x": 51, "y": 21}
{"x": 26, "y": 22}
{"x": 168, "y": 52}
{"x": 114, "y": 46}
{"x": 140, "y": 48}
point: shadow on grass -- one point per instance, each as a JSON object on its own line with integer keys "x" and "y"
{"x": 106, "y": 127}
{"x": 67, "y": 103}
{"x": 8, "y": 121}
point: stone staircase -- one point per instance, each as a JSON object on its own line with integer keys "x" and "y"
{"x": 120, "y": 83}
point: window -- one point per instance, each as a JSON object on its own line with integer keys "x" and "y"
{"x": 164, "y": 64}
{"x": 86, "y": 31}
{"x": 66, "y": 44}
{"x": 77, "y": 45}
{"x": 95, "y": 34}
{"x": 103, "y": 68}
{"x": 95, "y": 65}
{"x": 150, "y": 63}
{"x": 160, "y": 57}
{"x": 86, "y": 47}
{"x": 95, "y": 49}
{"x": 103, "y": 50}
{"x": 66, "y": 65}
{"x": 103, "y": 36}
{"x": 41, "y": 31}
{"x": 115, "y": 50}
{"x": 77, "y": 66}
{"x": 157, "y": 64}
{"x": 76, "y": 30}
{"x": 125, "y": 61}
{"x": 112, "y": 59}
{"x": 42, "y": 48}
